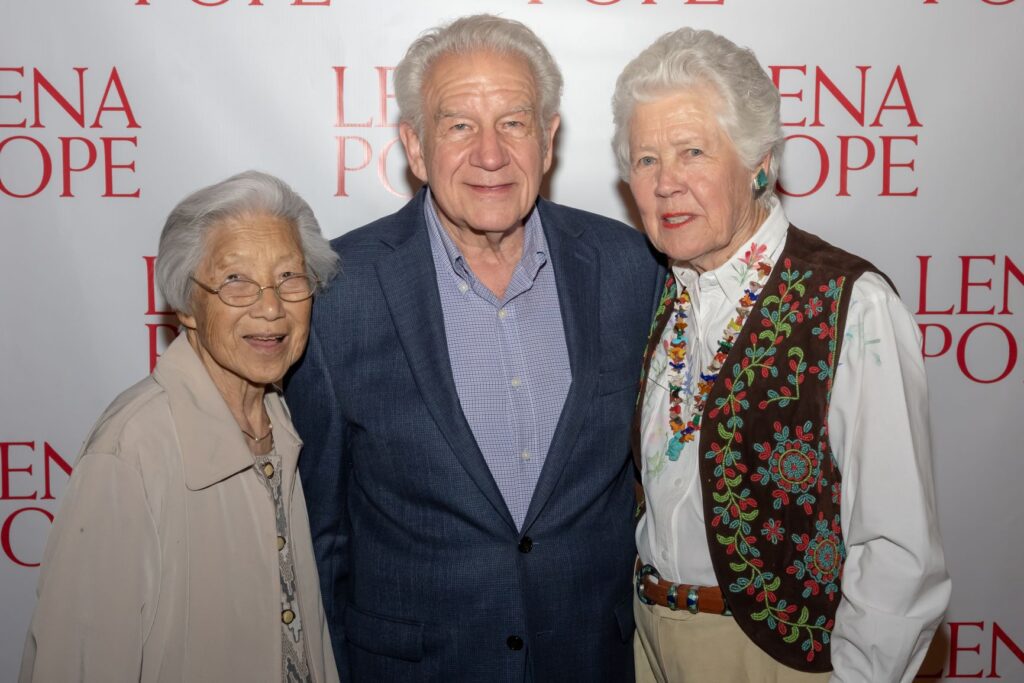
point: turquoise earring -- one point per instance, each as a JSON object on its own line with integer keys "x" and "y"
{"x": 760, "y": 181}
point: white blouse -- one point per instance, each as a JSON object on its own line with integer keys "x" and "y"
{"x": 895, "y": 586}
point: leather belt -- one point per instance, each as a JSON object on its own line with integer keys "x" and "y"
{"x": 651, "y": 589}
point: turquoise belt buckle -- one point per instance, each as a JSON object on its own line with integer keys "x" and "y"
{"x": 691, "y": 600}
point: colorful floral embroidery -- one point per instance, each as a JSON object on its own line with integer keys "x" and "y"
{"x": 789, "y": 463}
{"x": 823, "y": 558}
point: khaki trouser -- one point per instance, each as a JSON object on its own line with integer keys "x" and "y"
{"x": 679, "y": 647}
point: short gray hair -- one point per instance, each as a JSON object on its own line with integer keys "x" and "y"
{"x": 476, "y": 33}
{"x": 183, "y": 240}
{"x": 689, "y": 58}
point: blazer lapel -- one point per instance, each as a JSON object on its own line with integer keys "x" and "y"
{"x": 409, "y": 282}
{"x": 577, "y": 276}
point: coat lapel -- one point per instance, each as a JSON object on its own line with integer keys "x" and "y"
{"x": 577, "y": 276}
{"x": 409, "y": 282}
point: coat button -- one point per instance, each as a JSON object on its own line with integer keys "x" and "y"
{"x": 526, "y": 545}
{"x": 287, "y": 616}
{"x": 514, "y": 643}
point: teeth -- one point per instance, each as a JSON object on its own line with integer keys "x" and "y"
{"x": 676, "y": 219}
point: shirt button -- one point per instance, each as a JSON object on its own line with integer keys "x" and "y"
{"x": 502, "y": 313}
{"x": 526, "y": 545}
{"x": 280, "y": 542}
{"x": 514, "y": 643}
{"x": 287, "y": 616}
{"x": 268, "y": 470}
{"x": 463, "y": 287}
{"x": 516, "y": 381}
{"x": 525, "y": 455}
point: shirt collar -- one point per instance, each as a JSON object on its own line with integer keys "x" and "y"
{"x": 768, "y": 240}
{"x": 535, "y": 245}
{"x": 212, "y": 446}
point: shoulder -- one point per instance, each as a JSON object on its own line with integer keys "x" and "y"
{"x": 620, "y": 248}
{"x": 818, "y": 253}
{"x": 140, "y": 414}
{"x": 591, "y": 226}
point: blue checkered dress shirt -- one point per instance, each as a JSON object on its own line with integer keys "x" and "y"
{"x": 508, "y": 356}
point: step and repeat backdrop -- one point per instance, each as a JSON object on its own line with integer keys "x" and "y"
{"x": 905, "y": 146}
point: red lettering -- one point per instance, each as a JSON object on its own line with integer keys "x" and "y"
{"x": 52, "y": 456}
{"x": 966, "y": 284}
{"x": 343, "y": 167}
{"x": 382, "y": 170}
{"x": 999, "y": 636}
{"x": 151, "y": 308}
{"x": 40, "y": 81}
{"x": 68, "y": 169}
{"x": 114, "y": 82}
{"x": 1011, "y": 355}
{"x": 16, "y": 96}
{"x": 947, "y": 339}
{"x": 822, "y": 168}
{"x": 955, "y": 649}
{"x": 922, "y": 307}
{"x": 6, "y": 469}
{"x": 47, "y": 170}
{"x": 844, "y": 160}
{"x": 170, "y": 331}
{"x": 340, "y": 122}
{"x": 5, "y": 535}
{"x": 899, "y": 83}
{"x": 888, "y": 164}
{"x": 1008, "y": 268}
{"x": 109, "y": 166}
{"x": 820, "y": 79}
{"x": 385, "y": 94}
{"x": 798, "y": 95}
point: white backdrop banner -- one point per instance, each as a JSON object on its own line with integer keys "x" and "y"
{"x": 905, "y": 146}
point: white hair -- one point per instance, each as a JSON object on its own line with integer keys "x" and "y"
{"x": 688, "y": 58}
{"x": 183, "y": 240}
{"x": 477, "y": 33}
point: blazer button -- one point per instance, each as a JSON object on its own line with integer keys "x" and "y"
{"x": 514, "y": 643}
{"x": 526, "y": 545}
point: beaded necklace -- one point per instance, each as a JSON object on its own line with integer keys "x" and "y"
{"x": 683, "y": 431}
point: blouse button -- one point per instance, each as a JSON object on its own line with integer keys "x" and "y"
{"x": 268, "y": 470}
{"x": 280, "y": 542}
{"x": 287, "y": 616}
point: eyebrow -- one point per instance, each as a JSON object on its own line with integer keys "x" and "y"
{"x": 524, "y": 109}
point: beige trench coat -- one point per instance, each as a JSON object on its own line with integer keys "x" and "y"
{"x": 163, "y": 564}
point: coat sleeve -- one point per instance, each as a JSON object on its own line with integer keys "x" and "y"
{"x": 322, "y": 467}
{"x": 895, "y": 585}
{"x": 99, "y": 580}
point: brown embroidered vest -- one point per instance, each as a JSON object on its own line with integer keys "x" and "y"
{"x": 770, "y": 485}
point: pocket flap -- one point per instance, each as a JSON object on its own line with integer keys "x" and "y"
{"x": 384, "y": 635}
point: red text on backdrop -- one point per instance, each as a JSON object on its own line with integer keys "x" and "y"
{"x": 89, "y": 101}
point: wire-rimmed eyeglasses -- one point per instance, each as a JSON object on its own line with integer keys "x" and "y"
{"x": 241, "y": 292}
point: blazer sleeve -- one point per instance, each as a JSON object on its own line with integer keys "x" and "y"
{"x": 317, "y": 417}
{"x": 99, "y": 581}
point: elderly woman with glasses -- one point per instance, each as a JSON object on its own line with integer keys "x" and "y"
{"x": 182, "y": 549}
{"x": 782, "y": 430}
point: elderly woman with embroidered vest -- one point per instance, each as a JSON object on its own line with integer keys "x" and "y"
{"x": 182, "y": 549}
{"x": 782, "y": 434}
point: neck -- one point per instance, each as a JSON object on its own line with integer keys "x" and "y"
{"x": 749, "y": 222}
{"x": 243, "y": 398}
{"x": 492, "y": 256}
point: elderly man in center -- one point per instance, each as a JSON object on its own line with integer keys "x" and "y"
{"x": 466, "y": 397}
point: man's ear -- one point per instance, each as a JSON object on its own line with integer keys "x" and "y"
{"x": 549, "y": 142}
{"x": 413, "y": 150}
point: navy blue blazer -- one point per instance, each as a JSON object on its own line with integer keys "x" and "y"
{"x": 424, "y": 574}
